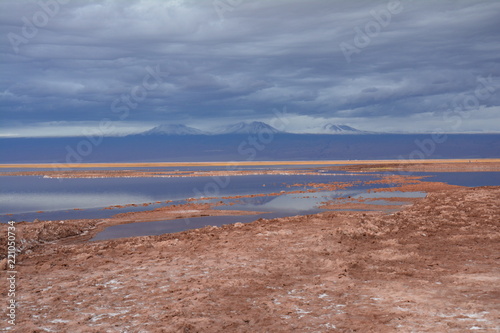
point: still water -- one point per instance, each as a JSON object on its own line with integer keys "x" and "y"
{"x": 25, "y": 198}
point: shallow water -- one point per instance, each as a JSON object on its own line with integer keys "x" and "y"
{"x": 471, "y": 179}
{"x": 292, "y": 204}
{"x": 169, "y": 226}
{"x": 279, "y": 206}
{"x": 23, "y": 197}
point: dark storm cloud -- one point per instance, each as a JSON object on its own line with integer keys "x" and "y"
{"x": 242, "y": 60}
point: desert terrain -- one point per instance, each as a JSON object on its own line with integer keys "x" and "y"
{"x": 424, "y": 166}
{"x": 425, "y": 265}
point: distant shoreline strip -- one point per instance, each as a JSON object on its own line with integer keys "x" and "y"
{"x": 237, "y": 163}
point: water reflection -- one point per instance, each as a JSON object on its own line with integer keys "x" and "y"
{"x": 29, "y": 202}
{"x": 294, "y": 203}
{"x": 280, "y": 206}
{"x": 23, "y": 196}
{"x": 169, "y": 226}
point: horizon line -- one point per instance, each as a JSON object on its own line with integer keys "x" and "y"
{"x": 242, "y": 163}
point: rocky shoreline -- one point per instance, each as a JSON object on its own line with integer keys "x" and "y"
{"x": 32, "y": 234}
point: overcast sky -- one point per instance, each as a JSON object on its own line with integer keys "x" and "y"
{"x": 375, "y": 65}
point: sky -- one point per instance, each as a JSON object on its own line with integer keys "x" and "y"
{"x": 73, "y": 67}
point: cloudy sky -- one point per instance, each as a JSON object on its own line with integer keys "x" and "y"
{"x": 67, "y": 66}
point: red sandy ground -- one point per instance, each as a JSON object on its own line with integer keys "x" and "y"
{"x": 432, "y": 267}
{"x": 152, "y": 174}
{"x": 425, "y": 166}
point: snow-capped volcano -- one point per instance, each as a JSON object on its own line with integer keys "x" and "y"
{"x": 174, "y": 129}
{"x": 339, "y": 129}
{"x": 253, "y": 127}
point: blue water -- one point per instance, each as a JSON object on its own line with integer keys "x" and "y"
{"x": 278, "y": 206}
{"x": 471, "y": 179}
{"x": 22, "y": 197}
{"x": 291, "y": 204}
{"x": 25, "y": 196}
{"x": 169, "y": 226}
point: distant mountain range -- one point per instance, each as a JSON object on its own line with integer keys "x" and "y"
{"x": 246, "y": 141}
{"x": 254, "y": 127}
